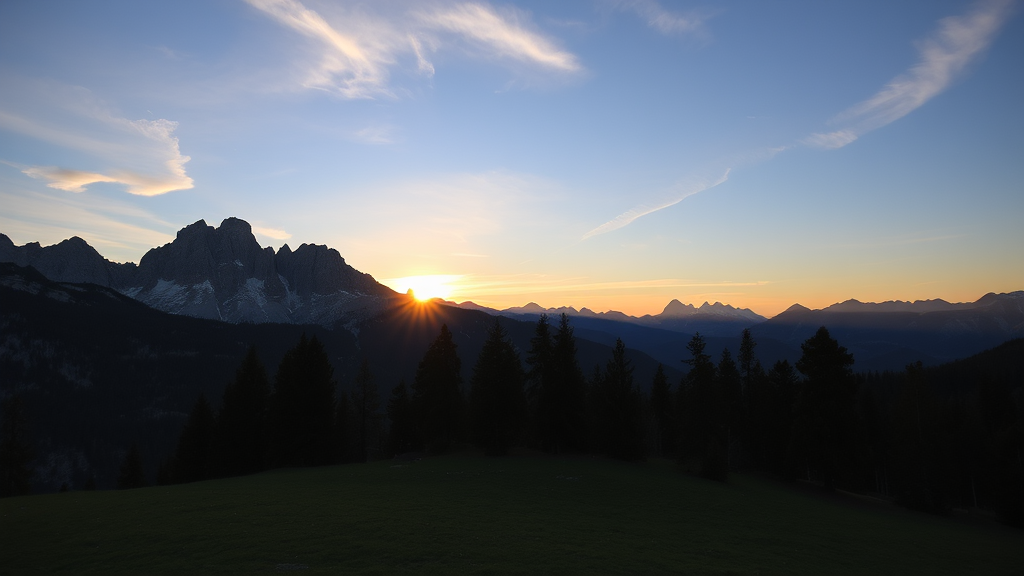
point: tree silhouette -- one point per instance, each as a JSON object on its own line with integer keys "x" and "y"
{"x": 437, "y": 394}
{"x": 131, "y": 474}
{"x": 303, "y": 407}
{"x": 703, "y": 440}
{"x": 242, "y": 436}
{"x": 664, "y": 412}
{"x": 15, "y": 448}
{"x": 497, "y": 399}
{"x": 344, "y": 426}
{"x": 538, "y": 376}
{"x": 193, "y": 458}
{"x": 728, "y": 390}
{"x": 366, "y": 402}
{"x": 824, "y": 417}
{"x": 621, "y": 432}
{"x": 562, "y": 401}
{"x": 402, "y": 435}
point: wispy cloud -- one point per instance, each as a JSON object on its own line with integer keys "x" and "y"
{"x": 358, "y": 50}
{"x": 273, "y": 233}
{"x": 375, "y": 135}
{"x": 662, "y": 20}
{"x": 141, "y": 154}
{"x": 504, "y": 35}
{"x": 958, "y": 41}
{"x": 678, "y": 195}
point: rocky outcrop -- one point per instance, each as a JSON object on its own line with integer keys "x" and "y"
{"x": 220, "y": 273}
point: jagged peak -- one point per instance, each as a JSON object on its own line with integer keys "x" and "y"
{"x": 232, "y": 224}
{"x": 796, "y": 308}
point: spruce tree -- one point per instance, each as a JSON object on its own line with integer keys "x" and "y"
{"x": 303, "y": 407}
{"x": 562, "y": 401}
{"x": 621, "y": 432}
{"x": 728, "y": 392}
{"x": 538, "y": 373}
{"x": 242, "y": 421}
{"x": 437, "y": 394}
{"x": 192, "y": 461}
{"x": 402, "y": 435}
{"x": 131, "y": 474}
{"x": 824, "y": 417}
{"x": 15, "y": 448}
{"x": 497, "y": 398}
{"x": 366, "y": 404}
{"x": 664, "y": 412}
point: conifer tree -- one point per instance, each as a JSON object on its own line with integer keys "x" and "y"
{"x": 131, "y": 474}
{"x": 619, "y": 409}
{"x": 402, "y": 435}
{"x": 303, "y": 407}
{"x": 192, "y": 461}
{"x": 562, "y": 402}
{"x": 728, "y": 393}
{"x": 663, "y": 410}
{"x": 497, "y": 398}
{"x": 437, "y": 394}
{"x": 538, "y": 373}
{"x": 344, "y": 425}
{"x": 242, "y": 435}
{"x": 366, "y": 402}
{"x": 15, "y": 448}
{"x": 824, "y": 417}
{"x": 702, "y": 441}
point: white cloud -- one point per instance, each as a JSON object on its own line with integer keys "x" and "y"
{"x": 504, "y": 36}
{"x": 678, "y": 195}
{"x": 141, "y": 154}
{"x": 661, "y": 19}
{"x": 273, "y": 233}
{"x": 958, "y": 41}
{"x": 375, "y": 135}
{"x": 357, "y": 50}
{"x": 830, "y": 140}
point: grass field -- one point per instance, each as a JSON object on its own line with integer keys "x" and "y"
{"x": 466, "y": 514}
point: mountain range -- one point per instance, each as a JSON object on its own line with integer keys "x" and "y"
{"x": 222, "y": 273}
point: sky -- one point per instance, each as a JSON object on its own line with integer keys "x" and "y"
{"x": 606, "y": 154}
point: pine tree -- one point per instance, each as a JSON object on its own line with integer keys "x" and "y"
{"x": 344, "y": 426}
{"x": 131, "y": 474}
{"x": 242, "y": 421}
{"x": 402, "y": 435}
{"x": 562, "y": 401}
{"x": 728, "y": 391}
{"x": 702, "y": 440}
{"x": 664, "y": 412}
{"x": 538, "y": 374}
{"x": 15, "y": 448}
{"x": 366, "y": 402}
{"x": 824, "y": 417}
{"x": 497, "y": 398}
{"x": 437, "y": 394}
{"x": 619, "y": 401}
{"x": 192, "y": 461}
{"x": 303, "y": 407}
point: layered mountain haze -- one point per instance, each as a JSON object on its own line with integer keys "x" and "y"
{"x": 222, "y": 274}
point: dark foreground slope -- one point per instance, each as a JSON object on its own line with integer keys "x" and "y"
{"x": 520, "y": 515}
{"x": 99, "y": 371}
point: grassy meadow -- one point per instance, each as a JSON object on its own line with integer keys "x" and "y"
{"x": 525, "y": 514}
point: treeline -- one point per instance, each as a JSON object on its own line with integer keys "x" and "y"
{"x": 929, "y": 447}
{"x": 931, "y": 439}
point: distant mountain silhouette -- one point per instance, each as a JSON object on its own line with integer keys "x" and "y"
{"x": 709, "y": 319}
{"x": 222, "y": 274}
{"x": 890, "y": 335}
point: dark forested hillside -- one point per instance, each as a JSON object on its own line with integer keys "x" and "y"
{"x": 98, "y": 371}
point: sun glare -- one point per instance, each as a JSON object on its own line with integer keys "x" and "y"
{"x": 424, "y": 287}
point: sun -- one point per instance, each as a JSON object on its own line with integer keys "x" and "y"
{"x": 424, "y": 287}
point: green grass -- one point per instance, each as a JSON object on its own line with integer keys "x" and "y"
{"x": 465, "y": 514}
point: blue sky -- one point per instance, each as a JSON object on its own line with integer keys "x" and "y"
{"x": 606, "y": 154}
